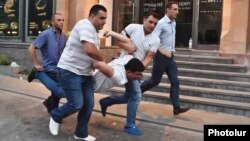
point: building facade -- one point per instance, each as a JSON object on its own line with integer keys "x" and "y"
{"x": 222, "y": 25}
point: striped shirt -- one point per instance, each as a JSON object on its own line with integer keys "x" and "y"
{"x": 74, "y": 58}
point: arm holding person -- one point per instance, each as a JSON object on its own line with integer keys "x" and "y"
{"x": 124, "y": 42}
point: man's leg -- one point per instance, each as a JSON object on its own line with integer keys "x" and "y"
{"x": 172, "y": 72}
{"x": 88, "y": 105}
{"x": 72, "y": 84}
{"x": 111, "y": 100}
{"x": 50, "y": 83}
{"x": 159, "y": 65}
{"x": 133, "y": 92}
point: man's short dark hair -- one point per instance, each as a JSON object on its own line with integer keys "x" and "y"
{"x": 134, "y": 65}
{"x": 170, "y": 3}
{"x": 53, "y": 16}
{"x": 151, "y": 13}
{"x": 96, "y": 8}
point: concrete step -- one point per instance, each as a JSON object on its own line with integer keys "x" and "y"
{"x": 186, "y": 51}
{"x": 215, "y": 105}
{"x": 205, "y": 59}
{"x": 231, "y": 76}
{"x": 212, "y": 66}
{"x": 221, "y": 94}
{"x": 207, "y": 83}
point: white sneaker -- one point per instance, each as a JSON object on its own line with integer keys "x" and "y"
{"x": 88, "y": 138}
{"x": 53, "y": 127}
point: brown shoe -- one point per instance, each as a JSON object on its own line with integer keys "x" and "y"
{"x": 181, "y": 110}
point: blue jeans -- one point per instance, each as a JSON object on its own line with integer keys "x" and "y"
{"x": 79, "y": 91}
{"x": 132, "y": 96}
{"x": 162, "y": 64}
{"x": 50, "y": 81}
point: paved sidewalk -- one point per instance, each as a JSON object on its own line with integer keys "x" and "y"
{"x": 24, "y": 118}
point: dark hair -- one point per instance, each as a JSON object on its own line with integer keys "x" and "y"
{"x": 170, "y": 3}
{"x": 96, "y": 8}
{"x": 151, "y": 13}
{"x": 53, "y": 16}
{"x": 134, "y": 65}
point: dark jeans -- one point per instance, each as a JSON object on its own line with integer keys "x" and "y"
{"x": 162, "y": 64}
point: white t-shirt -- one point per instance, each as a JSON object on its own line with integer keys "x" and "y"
{"x": 119, "y": 77}
{"x": 74, "y": 58}
{"x": 143, "y": 43}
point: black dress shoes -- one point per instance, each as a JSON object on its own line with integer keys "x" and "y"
{"x": 103, "y": 107}
{"x": 181, "y": 110}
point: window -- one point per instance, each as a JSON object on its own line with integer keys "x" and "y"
{"x": 39, "y": 13}
{"x": 23, "y": 20}
{"x": 9, "y": 18}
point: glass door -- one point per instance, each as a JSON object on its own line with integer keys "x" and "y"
{"x": 210, "y": 17}
{"x": 184, "y": 23}
{"x": 125, "y": 13}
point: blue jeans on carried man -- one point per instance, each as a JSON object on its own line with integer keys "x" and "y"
{"x": 79, "y": 92}
{"x": 132, "y": 96}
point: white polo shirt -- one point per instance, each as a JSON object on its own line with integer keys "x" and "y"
{"x": 74, "y": 58}
{"x": 102, "y": 82}
{"x": 143, "y": 43}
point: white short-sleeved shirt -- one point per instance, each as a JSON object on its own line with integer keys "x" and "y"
{"x": 74, "y": 58}
{"x": 102, "y": 82}
{"x": 143, "y": 43}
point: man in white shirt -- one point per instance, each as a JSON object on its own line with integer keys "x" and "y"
{"x": 146, "y": 45}
{"x": 120, "y": 70}
{"x": 75, "y": 73}
{"x": 117, "y": 72}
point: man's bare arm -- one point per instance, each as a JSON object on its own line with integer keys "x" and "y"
{"x": 148, "y": 58}
{"x": 103, "y": 68}
{"x": 92, "y": 51}
{"x": 123, "y": 42}
{"x": 32, "y": 53}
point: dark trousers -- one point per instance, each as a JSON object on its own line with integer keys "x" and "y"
{"x": 162, "y": 64}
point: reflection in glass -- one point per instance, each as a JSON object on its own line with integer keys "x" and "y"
{"x": 9, "y": 16}
{"x": 46, "y": 24}
{"x": 13, "y": 25}
{"x": 210, "y": 17}
{"x": 39, "y": 14}
{"x": 8, "y": 8}
{"x": 125, "y": 14}
{"x": 40, "y": 4}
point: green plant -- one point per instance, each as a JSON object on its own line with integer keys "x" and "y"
{"x": 4, "y": 60}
